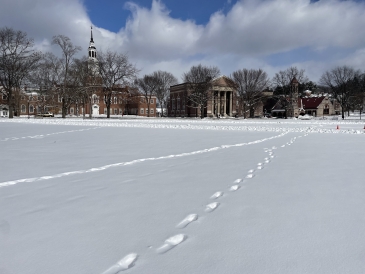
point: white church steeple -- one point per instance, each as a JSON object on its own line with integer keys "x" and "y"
{"x": 92, "y": 49}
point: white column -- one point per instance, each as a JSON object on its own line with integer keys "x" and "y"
{"x": 225, "y": 103}
{"x": 219, "y": 102}
{"x": 230, "y": 103}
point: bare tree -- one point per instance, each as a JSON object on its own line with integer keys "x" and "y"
{"x": 249, "y": 85}
{"x": 283, "y": 78}
{"x": 147, "y": 85}
{"x": 115, "y": 71}
{"x": 68, "y": 52}
{"x": 199, "y": 82}
{"x": 340, "y": 83}
{"x": 85, "y": 80}
{"x": 165, "y": 80}
{"x": 17, "y": 59}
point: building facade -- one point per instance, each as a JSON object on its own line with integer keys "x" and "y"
{"x": 220, "y": 102}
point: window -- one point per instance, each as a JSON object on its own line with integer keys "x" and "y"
{"x": 30, "y": 98}
{"x": 146, "y": 110}
{"x": 39, "y": 98}
{"x": 23, "y": 109}
{"x": 152, "y": 102}
{"x": 115, "y": 111}
{"x": 31, "y": 109}
{"x": 142, "y": 111}
{"x": 72, "y": 111}
{"x": 178, "y": 103}
{"x": 39, "y": 109}
{"x": 105, "y": 111}
{"x": 22, "y": 98}
{"x": 115, "y": 100}
{"x": 120, "y": 111}
{"x": 4, "y": 97}
{"x": 59, "y": 99}
{"x": 152, "y": 111}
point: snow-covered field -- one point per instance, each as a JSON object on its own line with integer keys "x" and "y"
{"x": 181, "y": 196}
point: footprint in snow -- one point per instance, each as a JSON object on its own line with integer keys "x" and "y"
{"x": 267, "y": 161}
{"x": 260, "y": 167}
{"x": 250, "y": 176}
{"x": 234, "y": 188}
{"x": 124, "y": 264}
{"x": 211, "y": 207}
{"x": 251, "y": 171}
{"x": 237, "y": 181}
{"x": 217, "y": 195}
{"x": 171, "y": 242}
{"x": 188, "y": 219}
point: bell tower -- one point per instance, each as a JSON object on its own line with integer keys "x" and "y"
{"x": 92, "y": 49}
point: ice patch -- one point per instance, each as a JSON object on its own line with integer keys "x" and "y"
{"x": 211, "y": 207}
{"x": 171, "y": 243}
{"x": 188, "y": 219}
{"x": 217, "y": 195}
{"x": 124, "y": 264}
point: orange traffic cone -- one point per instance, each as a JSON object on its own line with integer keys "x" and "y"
{"x": 338, "y": 127}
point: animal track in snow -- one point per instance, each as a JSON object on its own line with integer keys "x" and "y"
{"x": 217, "y": 195}
{"x": 234, "y": 188}
{"x": 250, "y": 176}
{"x": 171, "y": 243}
{"x": 251, "y": 171}
{"x": 211, "y": 207}
{"x": 124, "y": 264}
{"x": 188, "y": 219}
{"x": 260, "y": 167}
{"x": 237, "y": 181}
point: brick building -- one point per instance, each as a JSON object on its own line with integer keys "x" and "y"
{"x": 221, "y": 98}
{"x": 124, "y": 101}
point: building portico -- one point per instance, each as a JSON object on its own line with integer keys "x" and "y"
{"x": 219, "y": 103}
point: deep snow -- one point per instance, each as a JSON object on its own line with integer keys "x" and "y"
{"x": 181, "y": 196}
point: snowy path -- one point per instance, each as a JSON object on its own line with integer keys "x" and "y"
{"x": 232, "y": 202}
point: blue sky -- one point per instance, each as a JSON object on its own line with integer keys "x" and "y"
{"x": 173, "y": 35}
{"x": 112, "y": 14}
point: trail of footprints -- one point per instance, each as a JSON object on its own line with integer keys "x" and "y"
{"x": 45, "y": 135}
{"x": 129, "y": 260}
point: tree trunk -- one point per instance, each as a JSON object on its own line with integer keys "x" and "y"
{"x": 202, "y": 111}
{"x": 10, "y": 104}
{"x": 64, "y": 108}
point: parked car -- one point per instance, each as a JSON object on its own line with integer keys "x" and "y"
{"x": 46, "y": 114}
